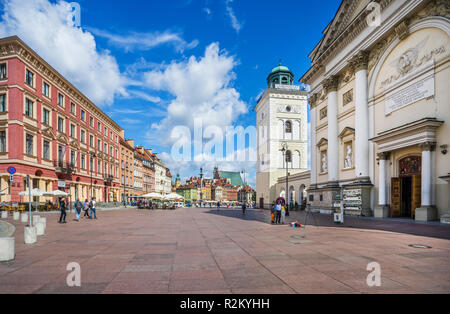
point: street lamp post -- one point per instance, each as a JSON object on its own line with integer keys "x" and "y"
{"x": 201, "y": 186}
{"x": 93, "y": 155}
{"x": 284, "y": 149}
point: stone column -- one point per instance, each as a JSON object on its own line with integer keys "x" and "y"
{"x": 313, "y": 103}
{"x": 427, "y": 212}
{"x": 331, "y": 86}
{"x": 382, "y": 210}
{"x": 359, "y": 64}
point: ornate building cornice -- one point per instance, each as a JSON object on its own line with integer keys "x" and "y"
{"x": 342, "y": 36}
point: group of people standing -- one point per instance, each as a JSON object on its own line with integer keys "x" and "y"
{"x": 278, "y": 214}
{"x": 88, "y": 207}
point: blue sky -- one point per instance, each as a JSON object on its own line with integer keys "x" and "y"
{"x": 154, "y": 64}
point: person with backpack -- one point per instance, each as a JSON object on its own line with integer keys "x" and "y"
{"x": 78, "y": 207}
{"x": 92, "y": 207}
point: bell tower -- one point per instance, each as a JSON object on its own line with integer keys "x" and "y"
{"x": 281, "y": 122}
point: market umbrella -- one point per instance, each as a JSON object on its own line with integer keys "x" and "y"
{"x": 56, "y": 193}
{"x": 34, "y": 193}
{"x": 173, "y": 196}
{"x": 155, "y": 196}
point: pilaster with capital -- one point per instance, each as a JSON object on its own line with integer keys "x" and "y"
{"x": 359, "y": 64}
{"x": 427, "y": 165}
{"x": 331, "y": 86}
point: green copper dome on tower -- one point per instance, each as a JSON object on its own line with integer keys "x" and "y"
{"x": 281, "y": 75}
{"x": 280, "y": 68}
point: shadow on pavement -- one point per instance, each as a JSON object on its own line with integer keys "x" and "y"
{"x": 250, "y": 214}
{"x": 433, "y": 229}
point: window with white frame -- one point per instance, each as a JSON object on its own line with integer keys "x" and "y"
{"x": 72, "y": 130}
{"x": 46, "y": 150}
{"x": 29, "y": 144}
{"x": 83, "y": 136}
{"x": 29, "y": 108}
{"x": 46, "y": 116}
{"x": 60, "y": 124}
{"x": 83, "y": 115}
{"x": 2, "y": 141}
{"x": 61, "y": 100}
{"x": 3, "y": 74}
{"x": 29, "y": 78}
{"x": 46, "y": 89}
{"x": 2, "y": 102}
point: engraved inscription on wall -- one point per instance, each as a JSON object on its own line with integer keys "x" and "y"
{"x": 414, "y": 92}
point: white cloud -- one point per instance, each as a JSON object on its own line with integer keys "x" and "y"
{"x": 146, "y": 41}
{"x": 202, "y": 88}
{"x": 145, "y": 96}
{"x": 48, "y": 29}
{"x": 235, "y": 23}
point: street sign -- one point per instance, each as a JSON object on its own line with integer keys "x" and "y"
{"x": 11, "y": 178}
{"x": 11, "y": 170}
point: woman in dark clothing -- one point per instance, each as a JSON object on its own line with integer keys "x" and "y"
{"x": 62, "y": 207}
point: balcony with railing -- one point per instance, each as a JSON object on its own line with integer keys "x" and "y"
{"x": 64, "y": 167}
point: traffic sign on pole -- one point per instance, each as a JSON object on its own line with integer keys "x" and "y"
{"x": 11, "y": 178}
{"x": 11, "y": 170}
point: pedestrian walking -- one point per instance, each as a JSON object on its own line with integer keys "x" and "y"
{"x": 278, "y": 213}
{"x": 62, "y": 208}
{"x": 86, "y": 208}
{"x": 92, "y": 207}
{"x": 78, "y": 208}
{"x": 283, "y": 214}
{"x": 272, "y": 213}
{"x": 244, "y": 208}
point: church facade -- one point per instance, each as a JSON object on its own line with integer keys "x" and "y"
{"x": 380, "y": 110}
{"x": 282, "y": 141}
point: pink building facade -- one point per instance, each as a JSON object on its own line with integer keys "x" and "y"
{"x": 52, "y": 132}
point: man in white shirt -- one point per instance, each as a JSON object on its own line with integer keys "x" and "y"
{"x": 92, "y": 206}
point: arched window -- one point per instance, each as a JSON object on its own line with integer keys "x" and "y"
{"x": 288, "y": 126}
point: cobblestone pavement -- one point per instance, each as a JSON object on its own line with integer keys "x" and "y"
{"x": 202, "y": 250}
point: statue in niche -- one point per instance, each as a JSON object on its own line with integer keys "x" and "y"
{"x": 348, "y": 162}
{"x": 324, "y": 163}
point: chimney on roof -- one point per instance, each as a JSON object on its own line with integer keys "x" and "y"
{"x": 130, "y": 142}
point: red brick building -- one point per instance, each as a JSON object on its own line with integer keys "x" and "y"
{"x": 52, "y": 132}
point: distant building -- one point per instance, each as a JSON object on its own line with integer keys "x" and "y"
{"x": 233, "y": 178}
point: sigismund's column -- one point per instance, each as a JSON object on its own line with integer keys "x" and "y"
{"x": 359, "y": 64}
{"x": 426, "y": 212}
{"x": 382, "y": 210}
{"x": 331, "y": 87}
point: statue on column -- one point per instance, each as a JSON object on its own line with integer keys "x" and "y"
{"x": 324, "y": 163}
{"x": 348, "y": 162}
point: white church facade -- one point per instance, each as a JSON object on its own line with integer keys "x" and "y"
{"x": 380, "y": 110}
